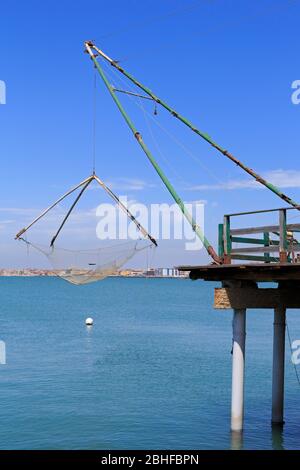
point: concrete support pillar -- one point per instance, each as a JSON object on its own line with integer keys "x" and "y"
{"x": 238, "y": 367}
{"x": 236, "y": 440}
{"x": 278, "y": 365}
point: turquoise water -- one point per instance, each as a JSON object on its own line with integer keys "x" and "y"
{"x": 153, "y": 372}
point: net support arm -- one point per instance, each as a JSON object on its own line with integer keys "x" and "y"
{"x": 152, "y": 160}
{"x": 21, "y": 232}
{"x": 124, "y": 208}
{"x": 90, "y": 46}
{"x": 69, "y": 211}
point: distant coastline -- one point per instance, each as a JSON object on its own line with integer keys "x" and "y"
{"x": 150, "y": 273}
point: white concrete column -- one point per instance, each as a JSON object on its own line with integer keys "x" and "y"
{"x": 278, "y": 365}
{"x": 238, "y": 367}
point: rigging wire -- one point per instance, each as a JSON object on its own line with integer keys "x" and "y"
{"x": 158, "y": 18}
{"x": 217, "y": 28}
{"x": 94, "y": 122}
{"x": 150, "y": 255}
{"x": 183, "y": 146}
{"x": 294, "y": 217}
{"x": 169, "y": 133}
{"x": 158, "y": 149}
{"x": 137, "y": 100}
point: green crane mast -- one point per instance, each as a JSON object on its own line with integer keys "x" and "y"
{"x": 185, "y": 121}
{"x": 152, "y": 160}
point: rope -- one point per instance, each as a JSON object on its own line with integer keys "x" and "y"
{"x": 175, "y": 139}
{"x": 137, "y": 100}
{"x": 27, "y": 249}
{"x": 151, "y": 252}
{"x": 158, "y": 149}
{"x": 216, "y": 28}
{"x": 46, "y": 249}
{"x": 152, "y": 20}
{"x": 290, "y": 342}
{"x": 94, "y": 123}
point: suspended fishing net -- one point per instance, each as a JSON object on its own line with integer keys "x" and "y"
{"x": 86, "y": 266}
{"x": 80, "y": 265}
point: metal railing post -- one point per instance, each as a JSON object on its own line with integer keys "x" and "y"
{"x": 267, "y": 243}
{"x": 283, "y": 245}
{"x": 221, "y": 240}
{"x": 227, "y": 240}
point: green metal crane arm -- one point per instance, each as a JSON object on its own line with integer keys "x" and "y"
{"x": 205, "y": 136}
{"x": 152, "y": 160}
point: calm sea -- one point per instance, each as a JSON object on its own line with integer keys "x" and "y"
{"x": 153, "y": 372}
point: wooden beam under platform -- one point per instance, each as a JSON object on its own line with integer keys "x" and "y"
{"x": 249, "y": 297}
{"x": 239, "y": 284}
{"x": 257, "y": 272}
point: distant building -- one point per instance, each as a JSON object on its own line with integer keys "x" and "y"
{"x": 150, "y": 272}
{"x": 167, "y": 272}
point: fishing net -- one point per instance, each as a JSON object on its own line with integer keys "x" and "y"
{"x": 85, "y": 266}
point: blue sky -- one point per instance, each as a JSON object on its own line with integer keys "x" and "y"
{"x": 226, "y": 65}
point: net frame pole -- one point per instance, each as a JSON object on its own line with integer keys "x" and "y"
{"x": 195, "y": 227}
{"x": 21, "y": 232}
{"x": 125, "y": 209}
{"x": 90, "y": 45}
{"x": 69, "y": 211}
{"x": 85, "y": 184}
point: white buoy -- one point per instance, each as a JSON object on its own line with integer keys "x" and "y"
{"x": 89, "y": 321}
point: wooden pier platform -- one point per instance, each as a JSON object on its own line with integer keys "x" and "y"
{"x": 239, "y": 291}
{"x": 273, "y": 257}
{"x": 257, "y": 272}
{"x": 240, "y": 284}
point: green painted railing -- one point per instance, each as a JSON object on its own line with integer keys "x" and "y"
{"x": 275, "y": 244}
